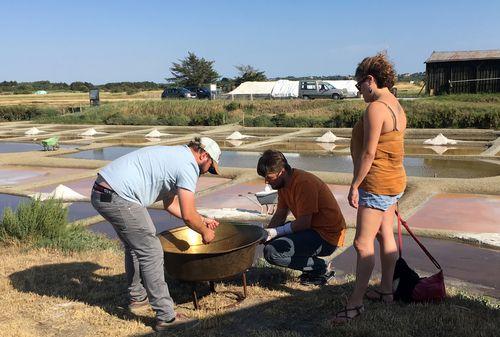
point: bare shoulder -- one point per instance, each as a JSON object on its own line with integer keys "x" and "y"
{"x": 373, "y": 110}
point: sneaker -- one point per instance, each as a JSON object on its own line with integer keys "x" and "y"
{"x": 178, "y": 319}
{"x": 315, "y": 279}
{"x": 138, "y": 304}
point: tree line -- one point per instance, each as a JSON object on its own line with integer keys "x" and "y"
{"x": 30, "y": 87}
{"x": 191, "y": 71}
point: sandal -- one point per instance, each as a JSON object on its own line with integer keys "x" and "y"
{"x": 378, "y": 296}
{"x": 342, "y": 317}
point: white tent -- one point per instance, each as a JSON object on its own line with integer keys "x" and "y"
{"x": 254, "y": 88}
{"x": 349, "y": 85}
{"x": 285, "y": 89}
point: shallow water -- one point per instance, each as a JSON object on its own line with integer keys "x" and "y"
{"x": 443, "y": 150}
{"x": 108, "y": 153}
{"x": 304, "y": 146}
{"x": 12, "y": 176}
{"x": 76, "y": 211}
{"x": 421, "y": 167}
{"x": 9, "y": 147}
{"x": 12, "y": 201}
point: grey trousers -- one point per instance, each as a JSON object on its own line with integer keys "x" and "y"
{"x": 143, "y": 251}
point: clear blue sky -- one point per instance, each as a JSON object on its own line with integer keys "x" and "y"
{"x": 110, "y": 40}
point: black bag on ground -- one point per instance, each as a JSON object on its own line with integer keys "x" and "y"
{"x": 407, "y": 285}
{"x": 404, "y": 281}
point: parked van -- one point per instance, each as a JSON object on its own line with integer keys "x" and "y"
{"x": 319, "y": 89}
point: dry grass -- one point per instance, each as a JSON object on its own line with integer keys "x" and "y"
{"x": 46, "y": 293}
{"x": 75, "y": 98}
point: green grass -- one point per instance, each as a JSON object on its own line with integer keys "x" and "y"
{"x": 45, "y": 224}
{"x": 451, "y": 111}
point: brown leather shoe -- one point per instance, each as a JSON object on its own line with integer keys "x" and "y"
{"x": 178, "y": 319}
{"x": 138, "y": 304}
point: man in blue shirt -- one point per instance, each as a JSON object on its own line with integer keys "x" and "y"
{"x": 129, "y": 184}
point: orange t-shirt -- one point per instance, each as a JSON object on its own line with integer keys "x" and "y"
{"x": 307, "y": 194}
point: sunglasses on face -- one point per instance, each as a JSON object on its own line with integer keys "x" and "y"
{"x": 358, "y": 85}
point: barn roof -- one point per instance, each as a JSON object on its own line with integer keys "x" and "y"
{"x": 469, "y": 55}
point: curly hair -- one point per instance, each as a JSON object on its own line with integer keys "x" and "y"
{"x": 380, "y": 68}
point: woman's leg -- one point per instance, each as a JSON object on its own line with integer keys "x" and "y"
{"x": 367, "y": 226}
{"x": 388, "y": 251}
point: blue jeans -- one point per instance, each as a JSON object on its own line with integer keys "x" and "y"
{"x": 299, "y": 251}
{"x": 378, "y": 201}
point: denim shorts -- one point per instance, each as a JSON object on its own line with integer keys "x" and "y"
{"x": 377, "y": 201}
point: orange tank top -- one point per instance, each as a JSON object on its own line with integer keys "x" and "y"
{"x": 387, "y": 174}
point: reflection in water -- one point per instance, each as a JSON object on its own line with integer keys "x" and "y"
{"x": 443, "y": 150}
{"x": 108, "y": 153}
{"x": 342, "y": 163}
{"x": 332, "y": 162}
{"x": 14, "y": 177}
{"x": 23, "y": 147}
{"x": 12, "y": 201}
{"x": 76, "y": 210}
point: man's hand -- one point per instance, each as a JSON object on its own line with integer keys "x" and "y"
{"x": 271, "y": 234}
{"x": 207, "y": 236}
{"x": 211, "y": 223}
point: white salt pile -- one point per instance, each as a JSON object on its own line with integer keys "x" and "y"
{"x": 235, "y": 143}
{"x": 328, "y": 137}
{"x": 91, "y": 132}
{"x": 438, "y": 149}
{"x": 328, "y": 146}
{"x": 153, "y": 139}
{"x": 440, "y": 140}
{"x": 156, "y": 134}
{"x": 61, "y": 192}
{"x": 236, "y": 135}
{"x": 33, "y": 131}
{"x": 231, "y": 213}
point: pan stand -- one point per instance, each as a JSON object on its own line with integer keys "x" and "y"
{"x": 240, "y": 297}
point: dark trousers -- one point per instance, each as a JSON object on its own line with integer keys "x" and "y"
{"x": 299, "y": 251}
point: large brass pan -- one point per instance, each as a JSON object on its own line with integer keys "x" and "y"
{"x": 230, "y": 254}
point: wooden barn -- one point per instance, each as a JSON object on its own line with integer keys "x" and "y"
{"x": 463, "y": 72}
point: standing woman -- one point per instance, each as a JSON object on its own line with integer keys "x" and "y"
{"x": 377, "y": 150}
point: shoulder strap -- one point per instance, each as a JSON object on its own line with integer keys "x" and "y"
{"x": 393, "y": 115}
{"x": 401, "y": 222}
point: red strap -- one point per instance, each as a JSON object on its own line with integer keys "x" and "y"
{"x": 400, "y": 241}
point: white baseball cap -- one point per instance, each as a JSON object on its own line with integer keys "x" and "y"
{"x": 213, "y": 150}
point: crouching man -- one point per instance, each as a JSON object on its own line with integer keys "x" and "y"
{"x": 319, "y": 226}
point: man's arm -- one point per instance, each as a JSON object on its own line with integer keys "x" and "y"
{"x": 278, "y": 218}
{"x": 172, "y": 206}
{"x": 191, "y": 217}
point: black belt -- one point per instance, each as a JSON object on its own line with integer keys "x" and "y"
{"x": 102, "y": 189}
